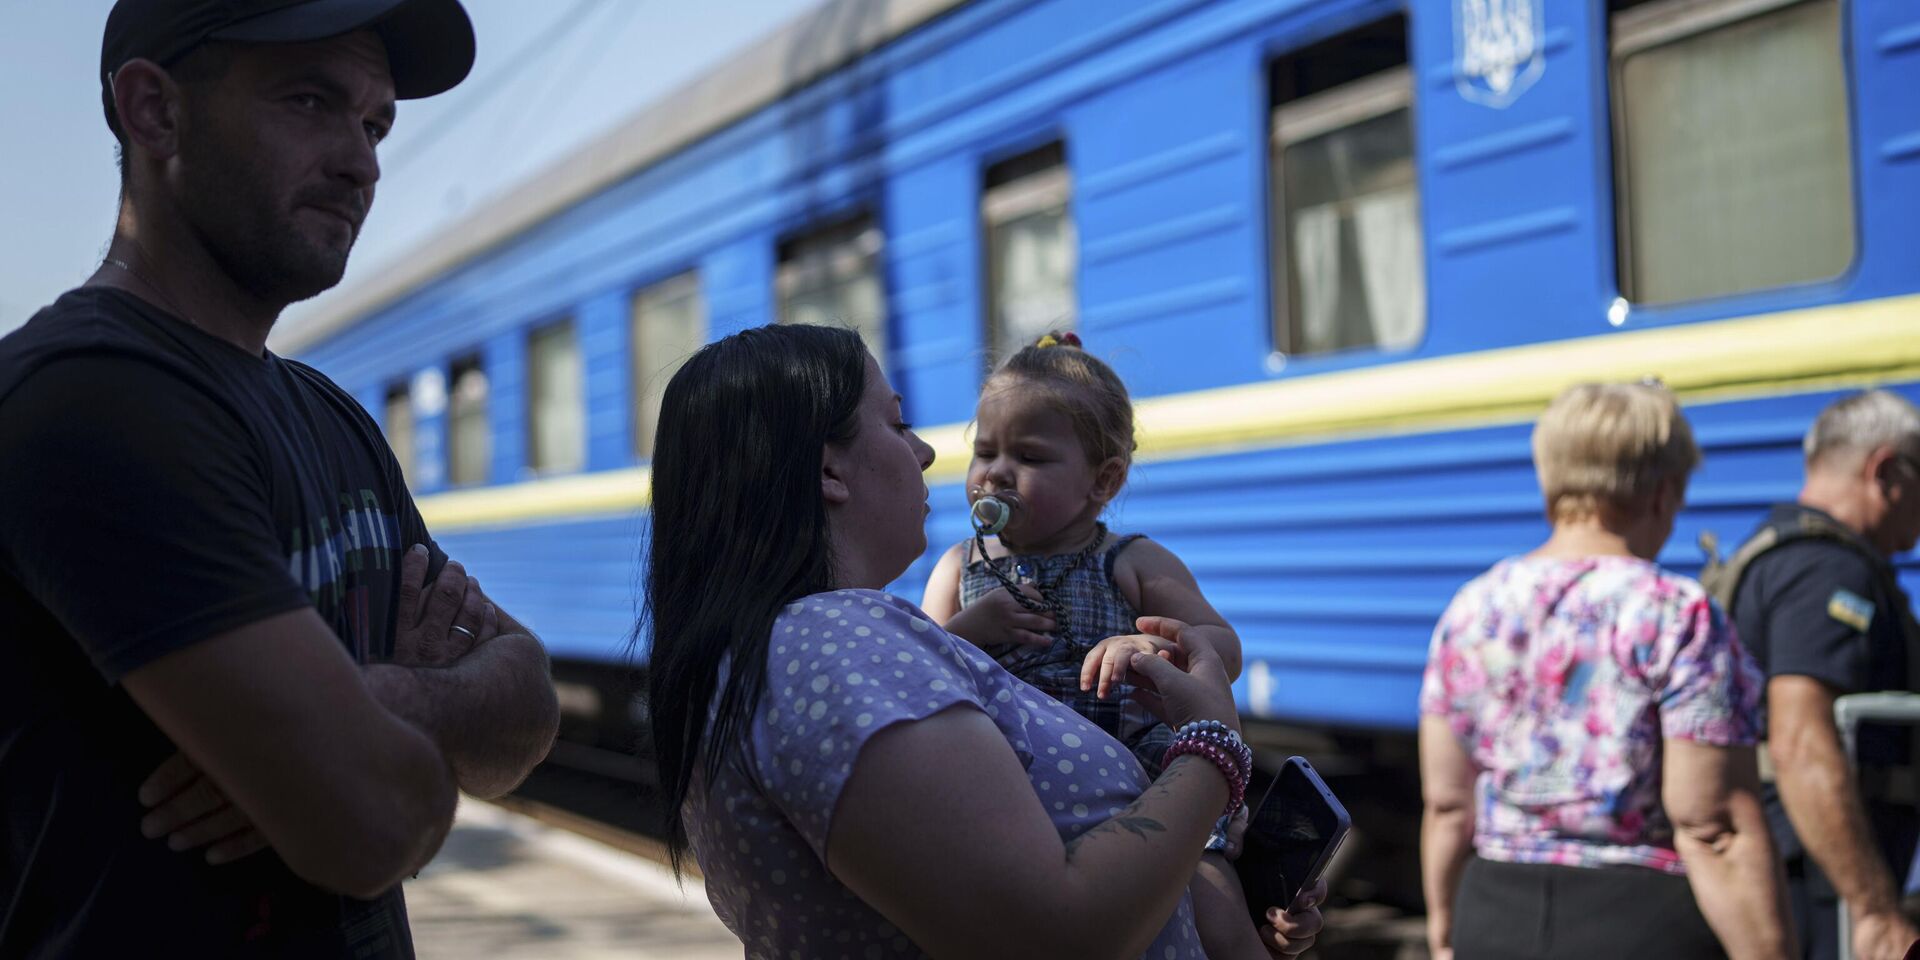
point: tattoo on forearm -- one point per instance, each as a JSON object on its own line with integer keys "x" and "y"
{"x": 1128, "y": 821}
{"x": 1164, "y": 786}
{"x": 1137, "y": 825}
{"x": 1131, "y": 820}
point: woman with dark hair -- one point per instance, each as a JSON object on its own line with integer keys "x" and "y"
{"x": 852, "y": 779}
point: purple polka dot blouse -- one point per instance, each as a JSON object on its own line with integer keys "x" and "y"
{"x": 841, "y": 667}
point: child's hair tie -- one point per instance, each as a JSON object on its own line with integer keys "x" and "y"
{"x": 1069, "y": 339}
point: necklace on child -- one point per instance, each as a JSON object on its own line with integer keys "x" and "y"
{"x": 1024, "y": 573}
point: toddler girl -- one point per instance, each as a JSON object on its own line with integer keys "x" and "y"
{"x": 1055, "y": 597}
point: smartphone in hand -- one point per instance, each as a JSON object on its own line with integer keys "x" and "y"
{"x": 1292, "y": 834}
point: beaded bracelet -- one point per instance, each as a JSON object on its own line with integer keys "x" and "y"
{"x": 1213, "y": 731}
{"x": 1236, "y": 782}
{"x": 1222, "y": 747}
{"x": 1196, "y": 726}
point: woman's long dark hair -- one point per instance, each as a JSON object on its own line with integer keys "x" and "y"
{"x": 739, "y": 530}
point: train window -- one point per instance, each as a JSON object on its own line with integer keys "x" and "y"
{"x": 469, "y": 437}
{"x": 399, "y": 427}
{"x": 556, "y": 401}
{"x": 1348, "y": 261}
{"x": 669, "y": 324}
{"x": 1030, "y": 249}
{"x": 1730, "y": 146}
{"x": 832, "y": 276}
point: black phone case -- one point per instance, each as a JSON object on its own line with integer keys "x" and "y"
{"x": 1262, "y": 877}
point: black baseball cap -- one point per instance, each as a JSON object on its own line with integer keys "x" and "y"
{"x": 429, "y": 42}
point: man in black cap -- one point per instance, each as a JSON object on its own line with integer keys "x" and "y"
{"x": 234, "y": 705}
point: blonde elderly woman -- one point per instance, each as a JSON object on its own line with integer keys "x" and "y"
{"x": 1588, "y": 720}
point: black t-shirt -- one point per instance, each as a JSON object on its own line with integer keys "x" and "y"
{"x": 162, "y": 486}
{"x": 1815, "y": 608}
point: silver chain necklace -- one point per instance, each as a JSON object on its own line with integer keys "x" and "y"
{"x": 154, "y": 288}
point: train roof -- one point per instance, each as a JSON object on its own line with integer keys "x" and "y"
{"x": 805, "y": 49}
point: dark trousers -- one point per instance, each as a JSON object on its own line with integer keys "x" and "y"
{"x": 1816, "y": 910}
{"x": 1527, "y": 911}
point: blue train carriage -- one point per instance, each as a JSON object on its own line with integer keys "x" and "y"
{"x": 1342, "y": 251}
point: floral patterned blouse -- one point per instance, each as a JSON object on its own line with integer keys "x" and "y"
{"x": 1561, "y": 677}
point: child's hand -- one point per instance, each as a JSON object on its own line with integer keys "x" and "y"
{"x": 1106, "y": 664}
{"x": 1186, "y": 683}
{"x": 998, "y": 618}
{"x": 1291, "y": 932}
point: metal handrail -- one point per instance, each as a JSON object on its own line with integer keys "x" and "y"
{"x": 1848, "y": 713}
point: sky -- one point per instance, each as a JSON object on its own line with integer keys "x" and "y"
{"x": 550, "y": 76}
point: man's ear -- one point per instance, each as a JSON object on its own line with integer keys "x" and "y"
{"x": 833, "y": 477}
{"x": 1886, "y": 469}
{"x": 1883, "y": 466}
{"x": 1109, "y": 478}
{"x": 147, "y": 103}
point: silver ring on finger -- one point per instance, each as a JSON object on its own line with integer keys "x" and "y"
{"x": 469, "y": 633}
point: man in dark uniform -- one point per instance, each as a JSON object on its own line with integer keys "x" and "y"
{"x": 233, "y": 709}
{"x": 1815, "y": 597}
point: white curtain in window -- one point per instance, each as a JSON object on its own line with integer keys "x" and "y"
{"x": 559, "y": 402}
{"x": 1737, "y": 160}
{"x": 669, "y": 324}
{"x": 836, "y": 282}
{"x": 1034, "y": 292}
{"x": 809, "y": 310}
{"x": 400, "y": 431}
{"x": 1387, "y": 226}
{"x": 469, "y": 438}
{"x": 860, "y": 307}
{"x": 1316, "y": 264}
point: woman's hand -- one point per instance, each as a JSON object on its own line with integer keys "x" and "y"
{"x": 999, "y": 617}
{"x": 1179, "y": 694}
{"x": 1106, "y": 663}
{"x": 1291, "y": 932}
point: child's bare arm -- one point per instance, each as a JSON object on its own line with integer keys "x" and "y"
{"x": 1220, "y": 911}
{"x": 1159, "y": 585}
{"x": 942, "y": 598}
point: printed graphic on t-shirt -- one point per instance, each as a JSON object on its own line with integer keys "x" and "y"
{"x": 335, "y": 565}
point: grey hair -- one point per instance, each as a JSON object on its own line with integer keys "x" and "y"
{"x": 1863, "y": 422}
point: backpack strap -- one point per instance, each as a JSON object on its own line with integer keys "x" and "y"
{"x": 1724, "y": 579}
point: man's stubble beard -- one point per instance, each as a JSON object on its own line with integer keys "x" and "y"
{"x": 252, "y": 239}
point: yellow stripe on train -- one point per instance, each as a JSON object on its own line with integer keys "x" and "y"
{"x": 1832, "y": 347}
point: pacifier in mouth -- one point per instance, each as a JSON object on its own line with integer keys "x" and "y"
{"x": 991, "y": 511}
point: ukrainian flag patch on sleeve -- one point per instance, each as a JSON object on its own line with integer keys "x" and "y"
{"x": 1851, "y": 609}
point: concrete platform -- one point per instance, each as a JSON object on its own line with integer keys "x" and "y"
{"x": 505, "y": 886}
